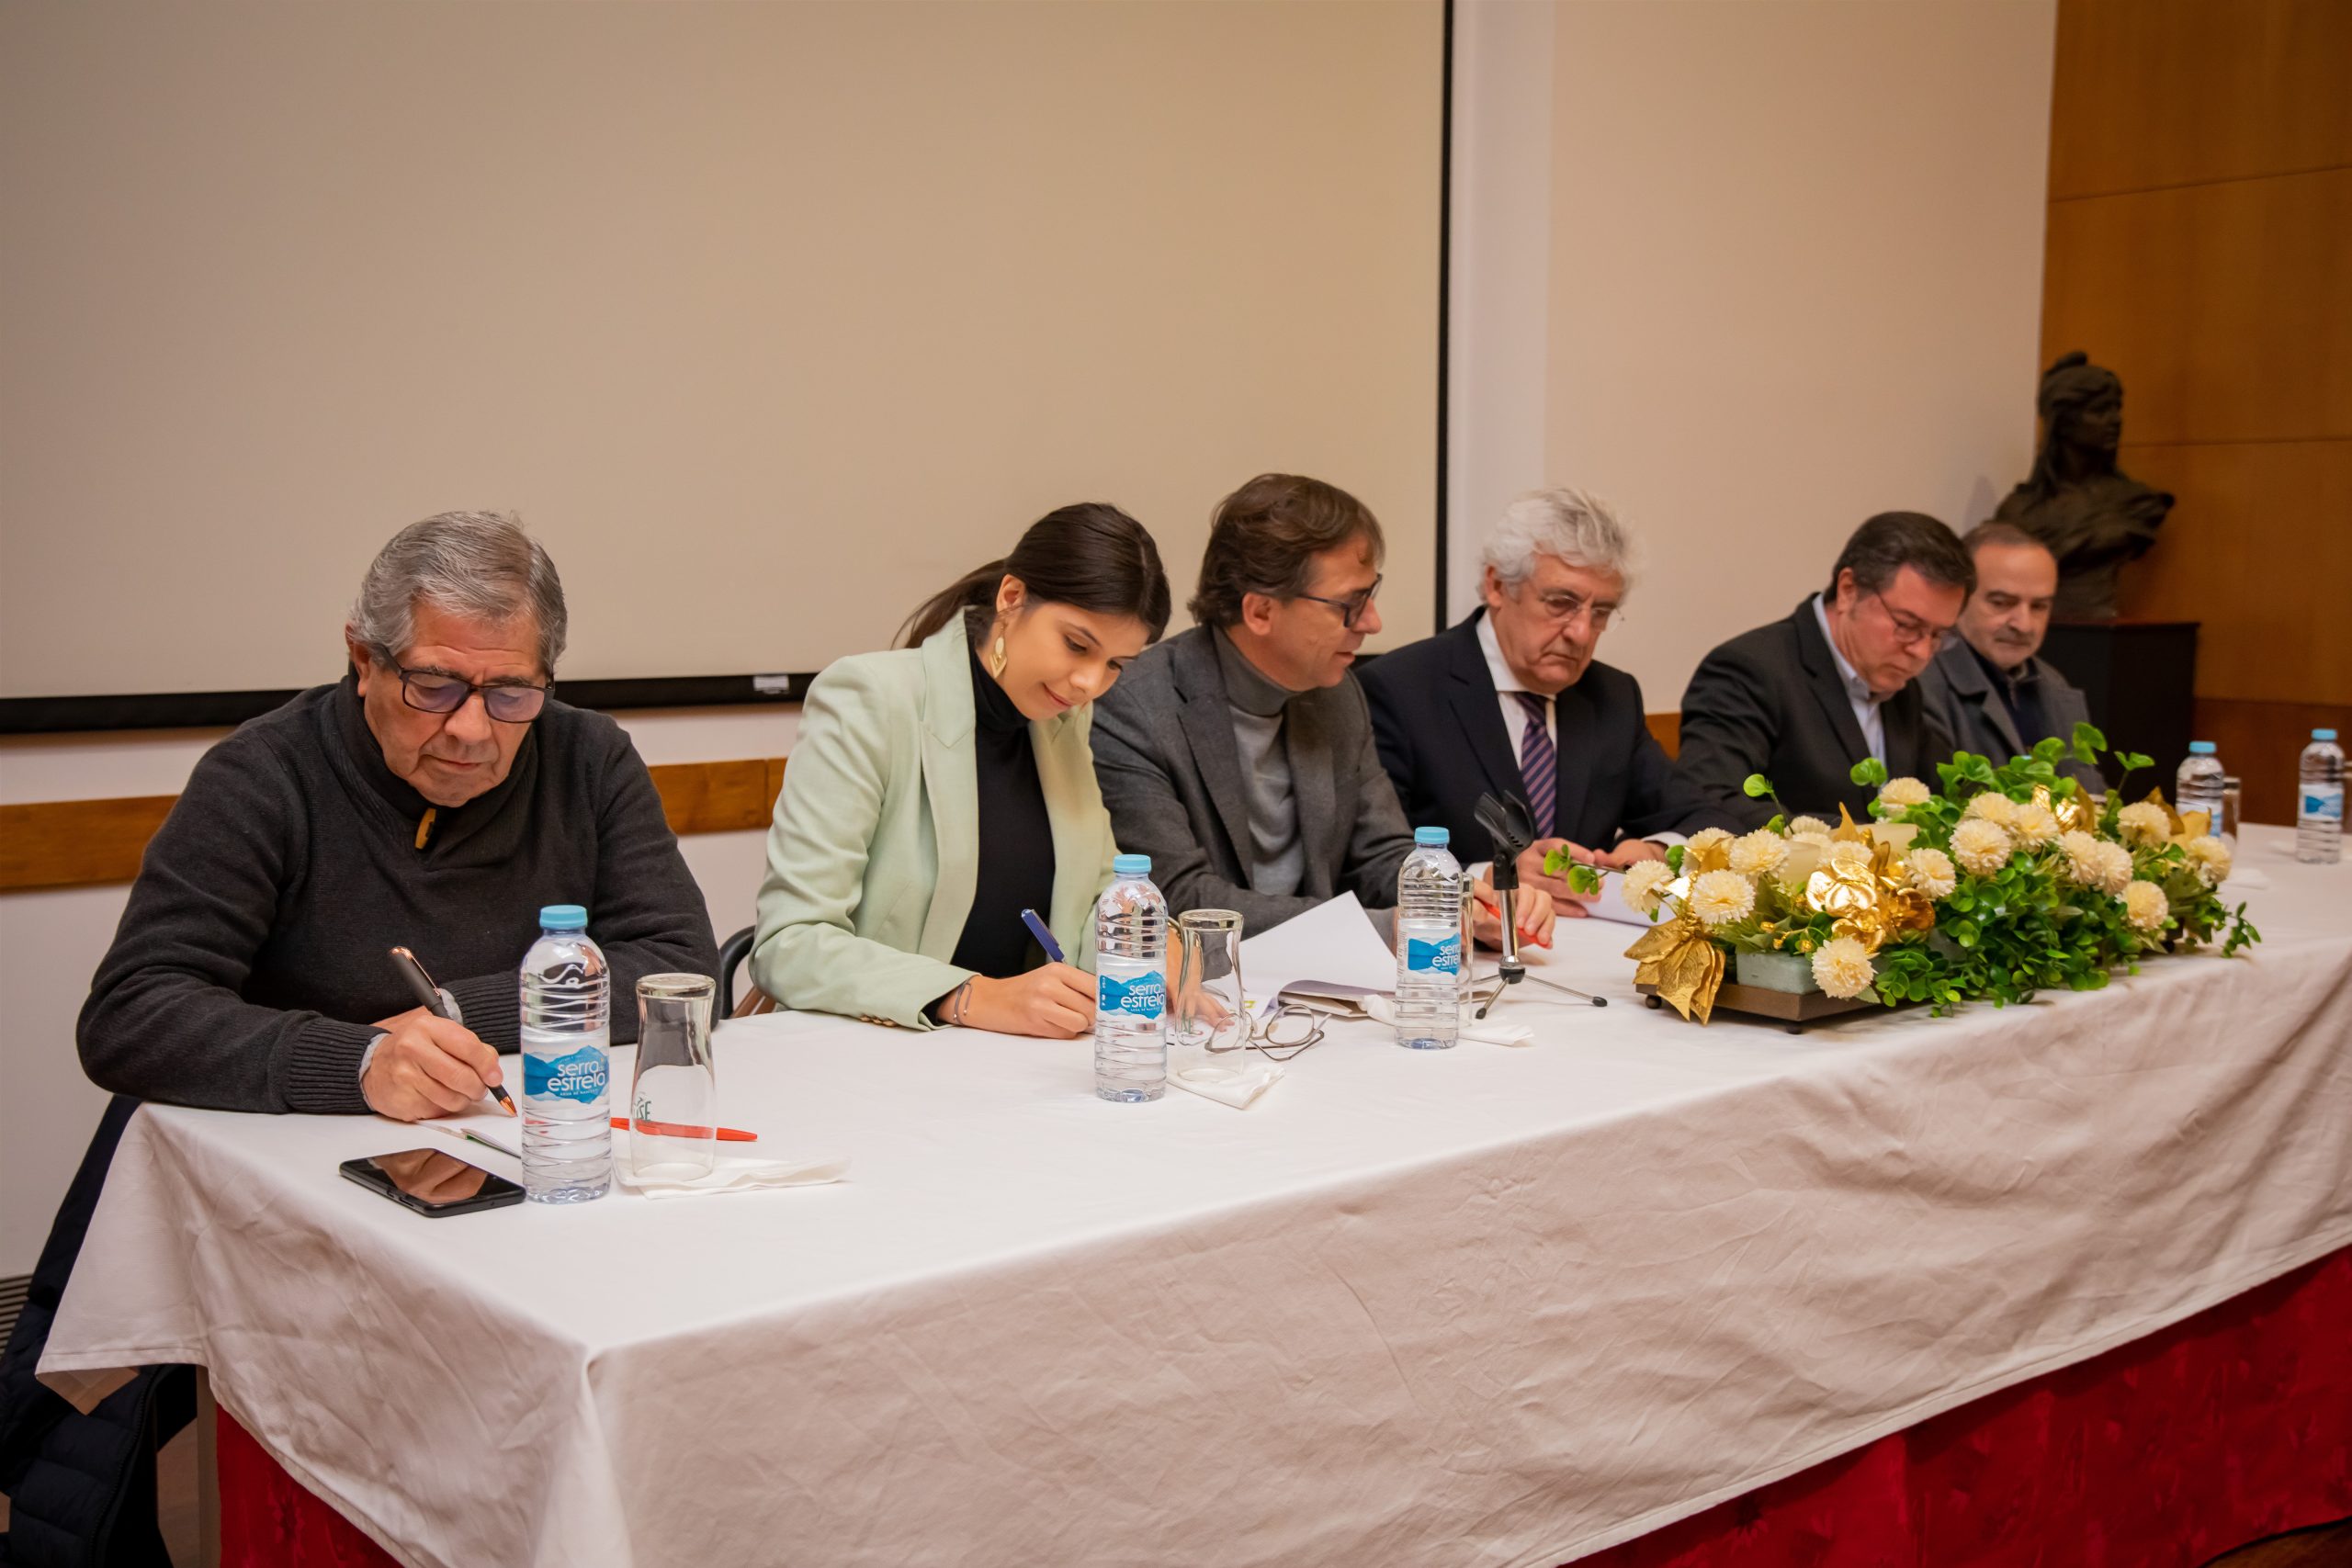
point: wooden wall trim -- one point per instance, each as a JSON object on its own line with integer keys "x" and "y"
{"x": 91, "y": 844}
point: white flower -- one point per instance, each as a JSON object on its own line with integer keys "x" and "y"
{"x": 1719, "y": 897}
{"x": 1981, "y": 846}
{"x": 1901, "y": 795}
{"x": 1847, "y": 854}
{"x": 2034, "y": 824}
{"x": 1801, "y": 826}
{"x": 1842, "y": 968}
{"x": 2145, "y": 906}
{"x": 1992, "y": 806}
{"x": 2085, "y": 864}
{"x": 1646, "y": 882}
{"x": 1930, "y": 872}
{"x": 1758, "y": 854}
{"x": 2209, "y": 858}
{"x": 2114, "y": 867}
{"x": 1702, "y": 840}
{"x": 2144, "y": 822}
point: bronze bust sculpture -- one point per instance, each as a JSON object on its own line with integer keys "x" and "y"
{"x": 2093, "y": 516}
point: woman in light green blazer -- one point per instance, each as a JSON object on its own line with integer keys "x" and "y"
{"x": 938, "y": 790}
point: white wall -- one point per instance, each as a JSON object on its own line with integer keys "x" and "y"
{"x": 1791, "y": 276}
{"x": 50, "y": 943}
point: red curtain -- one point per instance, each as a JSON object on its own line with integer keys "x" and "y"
{"x": 2235, "y": 1425}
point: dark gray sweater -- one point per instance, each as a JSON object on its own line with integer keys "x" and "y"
{"x": 252, "y": 961}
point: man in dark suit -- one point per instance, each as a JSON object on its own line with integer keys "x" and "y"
{"x": 1987, "y": 688}
{"x": 1804, "y": 699}
{"x": 1239, "y": 755}
{"x": 1512, "y": 702}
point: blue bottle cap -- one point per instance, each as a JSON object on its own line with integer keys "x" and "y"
{"x": 1432, "y": 837}
{"x": 563, "y": 917}
{"x": 2201, "y": 748}
{"x": 2322, "y": 734}
{"x": 1130, "y": 865}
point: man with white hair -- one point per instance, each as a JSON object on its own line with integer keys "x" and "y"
{"x": 1513, "y": 702}
{"x": 435, "y": 798}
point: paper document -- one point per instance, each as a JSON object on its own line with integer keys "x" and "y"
{"x": 1612, "y": 905}
{"x": 1334, "y": 940}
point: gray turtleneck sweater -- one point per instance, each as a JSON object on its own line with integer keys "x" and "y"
{"x": 1278, "y": 857}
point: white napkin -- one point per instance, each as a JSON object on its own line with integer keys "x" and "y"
{"x": 728, "y": 1173}
{"x": 1237, "y": 1086}
{"x": 1486, "y": 1030}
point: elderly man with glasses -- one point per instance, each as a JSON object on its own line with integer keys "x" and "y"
{"x": 1239, "y": 755}
{"x": 1511, "y": 700}
{"x": 433, "y": 798}
{"x": 1804, "y": 699}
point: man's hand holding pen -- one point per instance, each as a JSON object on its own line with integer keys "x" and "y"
{"x": 427, "y": 1067}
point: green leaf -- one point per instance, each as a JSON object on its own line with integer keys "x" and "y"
{"x": 1756, "y": 786}
{"x": 2134, "y": 761}
{"x": 1868, "y": 772}
{"x": 1582, "y": 878}
{"x": 1674, "y": 859}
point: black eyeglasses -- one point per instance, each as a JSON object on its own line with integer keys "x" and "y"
{"x": 1351, "y": 607}
{"x": 429, "y": 690}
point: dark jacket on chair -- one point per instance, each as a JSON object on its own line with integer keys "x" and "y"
{"x": 1770, "y": 702}
{"x": 1171, "y": 771}
{"x": 1444, "y": 743}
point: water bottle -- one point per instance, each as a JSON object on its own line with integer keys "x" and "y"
{"x": 1428, "y": 944}
{"x": 2319, "y": 808}
{"x": 567, "y": 1032}
{"x": 1130, "y": 984}
{"x": 2198, "y": 786}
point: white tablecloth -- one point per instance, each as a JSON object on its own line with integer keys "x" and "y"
{"x": 1477, "y": 1306}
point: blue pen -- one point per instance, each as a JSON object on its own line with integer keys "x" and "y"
{"x": 1044, "y": 938}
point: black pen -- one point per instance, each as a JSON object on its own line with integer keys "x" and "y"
{"x": 428, "y": 995}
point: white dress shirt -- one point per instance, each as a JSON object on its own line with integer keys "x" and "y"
{"x": 1858, "y": 691}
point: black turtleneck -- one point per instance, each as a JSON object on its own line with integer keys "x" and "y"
{"x": 1016, "y": 870}
{"x": 252, "y": 962}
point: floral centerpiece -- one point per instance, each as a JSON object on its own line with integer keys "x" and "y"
{"x": 2006, "y": 882}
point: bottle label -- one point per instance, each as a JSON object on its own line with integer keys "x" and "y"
{"x": 578, "y": 1077}
{"x": 1142, "y": 995}
{"x": 2323, "y": 801}
{"x": 1442, "y": 956}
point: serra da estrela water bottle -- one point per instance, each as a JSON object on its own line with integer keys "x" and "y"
{"x": 567, "y": 1034}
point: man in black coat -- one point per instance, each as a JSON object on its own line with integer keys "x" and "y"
{"x": 1804, "y": 699}
{"x": 1513, "y": 702}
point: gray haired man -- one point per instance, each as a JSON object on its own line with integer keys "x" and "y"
{"x": 435, "y": 798}
{"x": 1511, "y": 700}
{"x": 1989, "y": 687}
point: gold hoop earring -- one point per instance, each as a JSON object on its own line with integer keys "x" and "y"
{"x": 996, "y": 657}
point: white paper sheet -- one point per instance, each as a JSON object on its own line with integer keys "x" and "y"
{"x": 1334, "y": 942}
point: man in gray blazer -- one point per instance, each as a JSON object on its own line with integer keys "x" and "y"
{"x": 1239, "y": 755}
{"x": 1987, "y": 686}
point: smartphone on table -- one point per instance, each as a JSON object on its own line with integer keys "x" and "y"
{"x": 433, "y": 1182}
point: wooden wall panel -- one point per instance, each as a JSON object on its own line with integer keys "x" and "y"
{"x": 2259, "y": 548}
{"x": 2175, "y": 92}
{"x": 2221, "y": 306}
{"x": 88, "y": 843}
{"x": 2262, "y": 743}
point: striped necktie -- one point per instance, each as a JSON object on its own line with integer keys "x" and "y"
{"x": 1539, "y": 763}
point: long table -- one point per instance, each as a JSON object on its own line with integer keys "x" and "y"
{"x": 1488, "y": 1305}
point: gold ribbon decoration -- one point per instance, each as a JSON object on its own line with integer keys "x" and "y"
{"x": 1682, "y": 961}
{"x": 1874, "y": 902}
{"x": 2077, "y": 813}
{"x": 2186, "y": 825}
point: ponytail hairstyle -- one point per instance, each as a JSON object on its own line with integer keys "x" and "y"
{"x": 1092, "y": 556}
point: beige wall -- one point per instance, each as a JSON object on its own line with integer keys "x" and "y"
{"x": 1794, "y": 265}
{"x": 839, "y": 296}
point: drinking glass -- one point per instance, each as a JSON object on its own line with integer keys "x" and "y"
{"x": 674, "y": 1100}
{"x": 1207, "y": 1016}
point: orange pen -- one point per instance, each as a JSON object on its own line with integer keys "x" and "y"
{"x": 674, "y": 1130}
